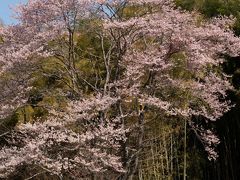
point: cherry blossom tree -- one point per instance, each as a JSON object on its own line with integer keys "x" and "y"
{"x": 57, "y": 149}
{"x": 164, "y": 39}
{"x": 47, "y": 30}
{"x": 160, "y": 57}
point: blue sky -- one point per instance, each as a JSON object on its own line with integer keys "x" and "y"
{"x": 6, "y": 12}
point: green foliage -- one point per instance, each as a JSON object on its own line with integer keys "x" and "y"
{"x": 136, "y": 10}
{"x": 186, "y": 4}
{"x": 211, "y": 8}
{"x": 180, "y": 70}
{"x": 236, "y": 26}
{"x": 25, "y": 114}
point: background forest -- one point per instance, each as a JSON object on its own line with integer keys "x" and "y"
{"x": 102, "y": 85}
